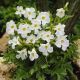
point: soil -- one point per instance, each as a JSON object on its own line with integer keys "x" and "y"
{"x": 1, "y": 33}
{"x": 76, "y": 71}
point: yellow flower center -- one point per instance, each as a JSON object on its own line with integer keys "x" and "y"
{"x": 33, "y": 54}
{"x": 12, "y": 27}
{"x": 29, "y": 13}
{"x": 46, "y": 47}
{"x": 35, "y": 25}
{"x": 61, "y": 12}
{"x": 24, "y": 29}
{"x": 47, "y": 35}
{"x": 43, "y": 17}
{"x": 59, "y": 29}
{"x": 62, "y": 41}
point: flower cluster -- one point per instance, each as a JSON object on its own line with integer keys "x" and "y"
{"x": 35, "y": 34}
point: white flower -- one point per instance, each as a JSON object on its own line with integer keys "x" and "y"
{"x": 22, "y": 54}
{"x": 60, "y": 12}
{"x": 31, "y": 39}
{"x": 20, "y": 10}
{"x": 40, "y": 34}
{"x": 36, "y": 25}
{"x": 24, "y": 35}
{"x": 45, "y": 35}
{"x": 59, "y": 29}
{"x": 62, "y": 42}
{"x": 10, "y": 27}
{"x": 14, "y": 42}
{"x": 33, "y": 54}
{"x": 46, "y": 49}
{"x": 44, "y": 17}
{"x": 23, "y": 30}
{"x": 30, "y": 13}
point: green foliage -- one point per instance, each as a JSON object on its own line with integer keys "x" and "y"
{"x": 56, "y": 66}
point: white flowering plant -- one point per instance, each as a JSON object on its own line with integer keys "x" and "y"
{"x": 38, "y": 45}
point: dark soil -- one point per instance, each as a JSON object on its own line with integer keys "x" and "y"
{"x": 76, "y": 71}
{"x": 1, "y": 32}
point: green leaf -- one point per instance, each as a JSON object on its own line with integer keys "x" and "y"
{"x": 40, "y": 76}
{"x": 72, "y": 75}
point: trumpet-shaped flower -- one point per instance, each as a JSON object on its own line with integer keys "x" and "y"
{"x": 23, "y": 30}
{"x": 31, "y": 39}
{"x": 40, "y": 34}
{"x": 33, "y": 54}
{"x": 46, "y": 49}
{"x": 30, "y": 13}
{"x": 59, "y": 29}
{"x": 62, "y": 42}
{"x": 14, "y": 42}
{"x": 60, "y": 13}
{"x": 36, "y": 26}
{"x": 20, "y": 10}
{"x": 22, "y": 54}
{"x": 45, "y": 35}
{"x": 11, "y": 27}
{"x": 44, "y": 18}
